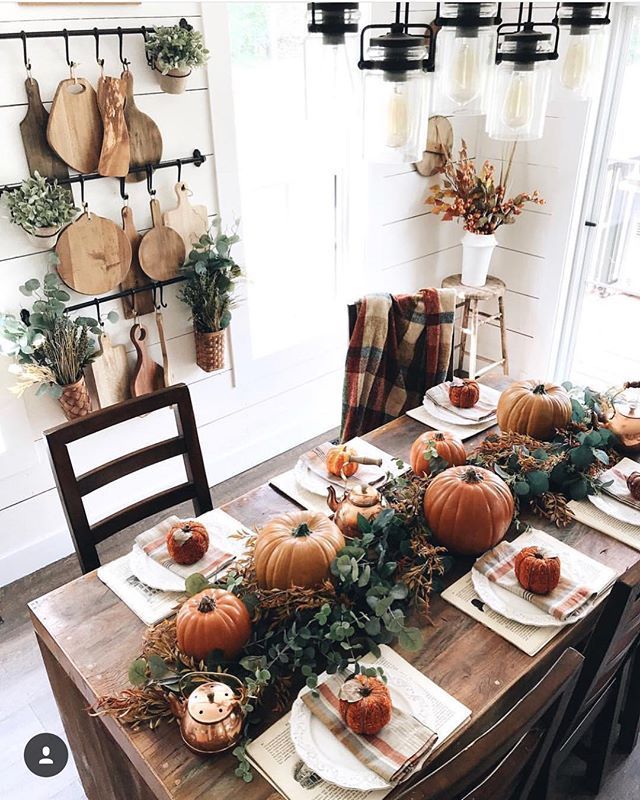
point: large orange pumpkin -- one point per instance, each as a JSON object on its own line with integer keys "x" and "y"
{"x": 213, "y": 619}
{"x": 296, "y": 549}
{"x": 365, "y": 704}
{"x": 445, "y": 444}
{"x": 469, "y": 509}
{"x": 533, "y": 408}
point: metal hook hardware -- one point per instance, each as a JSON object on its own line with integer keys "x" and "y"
{"x": 154, "y": 297}
{"x": 179, "y": 164}
{"x": 99, "y": 61}
{"x": 98, "y": 315}
{"x": 124, "y": 61}
{"x": 162, "y": 303}
{"x": 149, "y": 171}
{"x": 123, "y": 194}
{"x": 27, "y": 62}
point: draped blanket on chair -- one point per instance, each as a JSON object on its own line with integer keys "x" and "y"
{"x": 399, "y": 348}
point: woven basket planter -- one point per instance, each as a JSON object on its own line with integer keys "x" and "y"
{"x": 74, "y": 400}
{"x": 210, "y": 350}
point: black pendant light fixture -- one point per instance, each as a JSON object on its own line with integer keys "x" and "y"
{"x": 583, "y": 27}
{"x": 332, "y": 21}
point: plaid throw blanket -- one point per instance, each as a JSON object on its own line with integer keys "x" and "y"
{"x": 400, "y": 347}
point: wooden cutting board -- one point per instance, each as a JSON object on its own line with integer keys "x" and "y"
{"x": 94, "y": 254}
{"x": 111, "y": 373}
{"x": 190, "y": 221}
{"x": 162, "y": 251}
{"x": 147, "y": 375}
{"x": 166, "y": 369}
{"x": 141, "y": 302}
{"x": 145, "y": 140}
{"x": 74, "y": 130}
{"x": 33, "y": 129}
{"x": 114, "y": 155}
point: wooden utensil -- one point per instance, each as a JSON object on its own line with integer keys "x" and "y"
{"x": 33, "y": 129}
{"x": 74, "y": 130}
{"x": 111, "y": 373}
{"x": 114, "y": 155}
{"x": 190, "y": 221}
{"x": 147, "y": 375}
{"x": 94, "y": 254}
{"x": 145, "y": 140}
{"x": 162, "y": 250}
{"x": 168, "y": 380}
{"x": 141, "y": 302}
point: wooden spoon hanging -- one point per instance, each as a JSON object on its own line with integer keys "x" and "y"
{"x": 162, "y": 251}
{"x": 74, "y": 130}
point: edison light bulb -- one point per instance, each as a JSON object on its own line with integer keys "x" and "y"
{"x": 517, "y": 109}
{"x": 576, "y": 63}
{"x": 465, "y": 76}
{"x": 397, "y": 117}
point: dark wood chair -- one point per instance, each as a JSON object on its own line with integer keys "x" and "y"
{"x": 73, "y": 488}
{"x": 503, "y": 762}
{"x": 597, "y": 703}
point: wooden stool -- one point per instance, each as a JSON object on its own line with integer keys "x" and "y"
{"x": 472, "y": 319}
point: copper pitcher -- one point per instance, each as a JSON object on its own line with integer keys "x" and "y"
{"x": 621, "y": 413}
{"x": 211, "y": 718}
{"x": 362, "y": 499}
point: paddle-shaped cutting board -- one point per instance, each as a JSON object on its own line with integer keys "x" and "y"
{"x": 145, "y": 140}
{"x": 114, "y": 156}
{"x": 74, "y": 129}
{"x": 166, "y": 369}
{"x": 141, "y": 302}
{"x": 162, "y": 251}
{"x": 94, "y": 254}
{"x": 190, "y": 221}
{"x": 33, "y": 129}
{"x": 147, "y": 375}
{"x": 111, "y": 373}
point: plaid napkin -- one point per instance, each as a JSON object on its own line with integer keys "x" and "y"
{"x": 568, "y": 596}
{"x": 316, "y": 461}
{"x": 153, "y": 543}
{"x": 618, "y": 476}
{"x": 393, "y": 753}
{"x": 483, "y": 409}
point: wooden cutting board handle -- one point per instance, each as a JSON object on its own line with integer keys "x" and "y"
{"x": 145, "y": 139}
{"x": 139, "y": 303}
{"x": 147, "y": 375}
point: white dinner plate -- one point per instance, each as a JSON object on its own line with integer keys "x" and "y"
{"x": 328, "y": 758}
{"x": 444, "y": 415}
{"x": 615, "y": 509}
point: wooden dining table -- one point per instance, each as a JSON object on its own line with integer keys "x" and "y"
{"x": 88, "y": 638}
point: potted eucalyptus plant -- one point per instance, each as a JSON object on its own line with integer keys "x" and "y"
{"x": 41, "y": 208}
{"x": 212, "y": 275}
{"x": 175, "y": 50}
{"x": 49, "y": 348}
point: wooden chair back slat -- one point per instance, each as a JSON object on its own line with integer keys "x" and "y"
{"x": 507, "y": 757}
{"x": 72, "y": 489}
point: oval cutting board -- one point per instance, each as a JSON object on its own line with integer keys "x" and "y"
{"x": 94, "y": 253}
{"x": 74, "y": 129}
{"x": 190, "y": 221}
{"x": 162, "y": 251}
{"x": 145, "y": 140}
{"x": 33, "y": 128}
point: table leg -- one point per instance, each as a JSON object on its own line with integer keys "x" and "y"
{"x": 105, "y": 771}
{"x": 473, "y": 347}
{"x": 463, "y": 335}
{"x": 503, "y": 336}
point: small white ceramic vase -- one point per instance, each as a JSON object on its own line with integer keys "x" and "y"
{"x": 477, "y": 249}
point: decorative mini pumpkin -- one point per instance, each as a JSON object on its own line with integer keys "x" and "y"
{"x": 469, "y": 509}
{"x": 537, "y": 572}
{"x": 296, "y": 549}
{"x": 465, "y": 393}
{"x": 213, "y": 619}
{"x": 431, "y": 443}
{"x": 365, "y": 704}
{"x": 338, "y": 461}
{"x": 633, "y": 485}
{"x": 533, "y": 408}
{"x": 187, "y": 542}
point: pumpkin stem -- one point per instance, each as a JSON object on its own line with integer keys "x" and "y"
{"x": 302, "y": 530}
{"x": 365, "y": 691}
{"x": 206, "y": 604}
{"x": 472, "y": 475}
{"x": 539, "y": 389}
{"x": 438, "y": 436}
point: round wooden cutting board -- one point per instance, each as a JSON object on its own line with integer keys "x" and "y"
{"x": 74, "y": 130}
{"x": 94, "y": 253}
{"x": 162, "y": 251}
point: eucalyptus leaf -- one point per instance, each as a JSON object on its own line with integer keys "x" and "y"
{"x": 138, "y": 672}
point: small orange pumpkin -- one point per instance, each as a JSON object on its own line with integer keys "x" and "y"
{"x": 442, "y": 443}
{"x": 537, "y": 572}
{"x": 533, "y": 408}
{"x": 365, "y": 704}
{"x": 633, "y": 485}
{"x": 296, "y": 549}
{"x": 213, "y": 619}
{"x": 338, "y": 461}
{"x": 187, "y": 542}
{"x": 464, "y": 394}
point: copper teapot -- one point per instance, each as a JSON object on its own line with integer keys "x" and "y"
{"x": 362, "y": 499}
{"x": 211, "y": 718}
{"x": 621, "y": 414}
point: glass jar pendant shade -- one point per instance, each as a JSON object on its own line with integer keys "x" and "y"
{"x": 583, "y": 27}
{"x": 465, "y": 49}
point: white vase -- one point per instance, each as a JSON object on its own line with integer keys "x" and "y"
{"x": 477, "y": 249}
{"x": 175, "y": 81}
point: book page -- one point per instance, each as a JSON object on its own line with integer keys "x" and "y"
{"x": 461, "y": 431}
{"x": 585, "y": 512}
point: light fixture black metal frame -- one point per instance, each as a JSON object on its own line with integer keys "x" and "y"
{"x": 398, "y": 40}
{"x": 579, "y": 18}
{"x": 469, "y": 18}
{"x": 332, "y": 21}
{"x": 526, "y": 33}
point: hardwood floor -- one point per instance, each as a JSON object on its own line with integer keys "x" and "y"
{"x": 27, "y": 706}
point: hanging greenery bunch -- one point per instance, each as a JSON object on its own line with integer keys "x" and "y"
{"x": 176, "y": 47}
{"x": 39, "y": 203}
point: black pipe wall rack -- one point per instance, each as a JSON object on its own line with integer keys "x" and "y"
{"x": 67, "y": 33}
{"x": 149, "y": 287}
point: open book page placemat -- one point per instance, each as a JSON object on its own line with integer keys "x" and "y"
{"x": 588, "y": 514}
{"x": 289, "y": 486}
{"x": 461, "y": 431}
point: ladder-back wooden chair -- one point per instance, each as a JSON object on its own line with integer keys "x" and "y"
{"x": 73, "y": 488}
{"x": 503, "y": 762}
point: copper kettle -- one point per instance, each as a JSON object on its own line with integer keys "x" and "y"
{"x": 621, "y": 414}
{"x": 211, "y": 718}
{"x": 362, "y": 499}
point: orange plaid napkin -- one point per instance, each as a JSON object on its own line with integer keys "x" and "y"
{"x": 568, "y": 596}
{"x": 393, "y": 753}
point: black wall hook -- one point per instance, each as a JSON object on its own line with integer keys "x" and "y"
{"x": 149, "y": 171}
{"x": 123, "y": 194}
{"x": 70, "y": 63}
{"x": 179, "y": 163}
{"x": 100, "y": 61}
{"x": 27, "y": 62}
{"x": 124, "y": 61}
{"x": 162, "y": 303}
